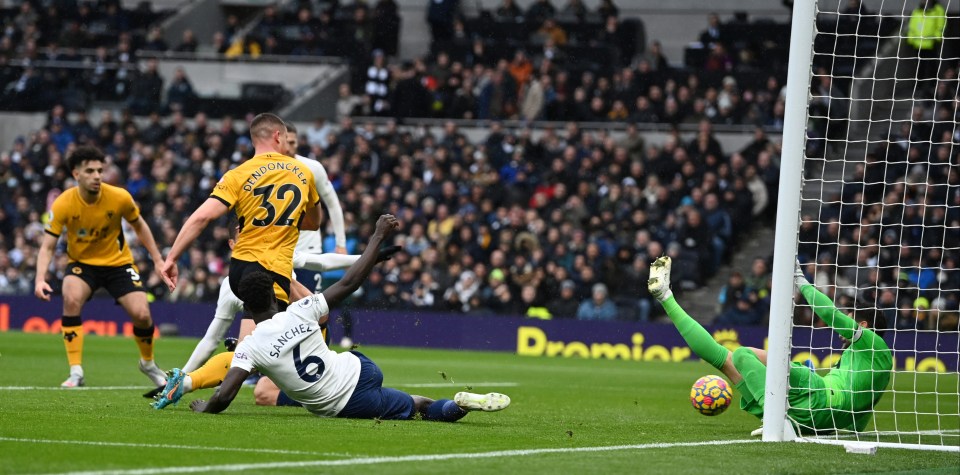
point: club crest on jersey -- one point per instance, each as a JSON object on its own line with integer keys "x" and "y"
{"x": 77, "y": 271}
{"x": 83, "y": 233}
{"x": 109, "y": 214}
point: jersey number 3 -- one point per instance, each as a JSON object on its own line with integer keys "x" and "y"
{"x": 302, "y": 366}
{"x": 265, "y": 193}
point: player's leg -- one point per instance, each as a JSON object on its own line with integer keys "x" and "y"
{"x": 697, "y": 337}
{"x": 76, "y": 291}
{"x": 753, "y": 372}
{"x": 267, "y": 393}
{"x": 124, "y": 284}
{"x": 227, "y": 307}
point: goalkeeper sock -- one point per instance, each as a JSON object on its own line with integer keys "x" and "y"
{"x": 697, "y": 337}
{"x": 211, "y": 374}
{"x": 144, "y": 338}
{"x": 72, "y": 329}
{"x": 444, "y": 410}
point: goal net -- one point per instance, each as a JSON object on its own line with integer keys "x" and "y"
{"x": 872, "y": 130}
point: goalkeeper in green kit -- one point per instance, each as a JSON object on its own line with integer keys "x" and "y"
{"x": 843, "y": 399}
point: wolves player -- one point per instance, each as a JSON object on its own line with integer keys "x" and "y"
{"x": 843, "y": 399}
{"x": 274, "y": 197}
{"x": 289, "y": 348}
{"x": 90, "y": 215}
{"x": 306, "y": 257}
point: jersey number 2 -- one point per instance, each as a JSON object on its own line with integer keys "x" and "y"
{"x": 302, "y": 366}
{"x": 265, "y": 193}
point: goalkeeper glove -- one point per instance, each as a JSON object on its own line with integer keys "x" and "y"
{"x": 799, "y": 280}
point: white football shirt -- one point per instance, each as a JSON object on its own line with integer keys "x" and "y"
{"x": 289, "y": 349}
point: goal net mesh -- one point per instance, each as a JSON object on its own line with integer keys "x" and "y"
{"x": 880, "y": 206}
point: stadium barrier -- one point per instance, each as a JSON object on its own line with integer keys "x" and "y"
{"x": 913, "y": 350}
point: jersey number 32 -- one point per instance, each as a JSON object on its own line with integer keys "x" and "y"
{"x": 265, "y": 193}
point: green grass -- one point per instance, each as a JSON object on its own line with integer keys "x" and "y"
{"x": 557, "y": 404}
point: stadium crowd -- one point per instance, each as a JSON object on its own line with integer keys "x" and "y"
{"x": 520, "y": 220}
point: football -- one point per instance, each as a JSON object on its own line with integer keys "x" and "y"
{"x": 711, "y": 395}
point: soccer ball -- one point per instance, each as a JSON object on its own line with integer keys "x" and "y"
{"x": 711, "y": 395}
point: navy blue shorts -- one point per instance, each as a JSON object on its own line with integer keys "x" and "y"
{"x": 371, "y": 400}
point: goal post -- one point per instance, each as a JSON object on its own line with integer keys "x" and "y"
{"x": 775, "y": 427}
{"x": 869, "y": 200}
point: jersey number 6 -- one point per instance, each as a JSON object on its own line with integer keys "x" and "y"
{"x": 302, "y": 366}
{"x": 265, "y": 193}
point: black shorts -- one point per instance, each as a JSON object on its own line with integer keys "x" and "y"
{"x": 118, "y": 280}
{"x": 281, "y": 284}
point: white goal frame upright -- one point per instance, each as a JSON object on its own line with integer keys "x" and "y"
{"x": 776, "y": 425}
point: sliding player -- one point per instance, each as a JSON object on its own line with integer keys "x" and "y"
{"x": 90, "y": 215}
{"x": 843, "y": 399}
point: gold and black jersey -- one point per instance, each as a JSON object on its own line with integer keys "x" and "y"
{"x": 93, "y": 230}
{"x": 270, "y": 193}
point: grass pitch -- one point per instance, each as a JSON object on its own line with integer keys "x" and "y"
{"x": 567, "y": 416}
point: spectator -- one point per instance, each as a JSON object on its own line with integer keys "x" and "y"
{"x": 155, "y": 41}
{"x": 180, "y": 93}
{"x": 711, "y": 35}
{"x": 349, "y": 104}
{"x": 599, "y": 306}
{"x": 146, "y": 90}
{"x": 925, "y": 35}
{"x": 540, "y": 11}
{"x": 566, "y": 306}
{"x": 743, "y": 313}
{"x": 552, "y": 32}
{"x": 188, "y": 42}
{"x": 509, "y": 11}
{"x": 377, "y": 85}
{"x": 386, "y": 33}
{"x": 440, "y": 17}
{"x": 607, "y": 9}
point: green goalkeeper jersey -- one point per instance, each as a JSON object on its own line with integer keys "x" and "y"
{"x": 862, "y": 375}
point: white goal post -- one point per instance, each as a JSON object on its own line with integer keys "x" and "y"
{"x": 869, "y": 201}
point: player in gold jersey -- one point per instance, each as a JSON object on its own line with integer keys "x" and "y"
{"x": 90, "y": 215}
{"x": 274, "y": 197}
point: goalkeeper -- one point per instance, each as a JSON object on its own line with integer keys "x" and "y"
{"x": 843, "y": 399}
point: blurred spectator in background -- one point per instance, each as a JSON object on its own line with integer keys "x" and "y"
{"x": 598, "y": 306}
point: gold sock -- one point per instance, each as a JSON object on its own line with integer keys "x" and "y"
{"x": 73, "y": 342}
{"x": 212, "y": 372}
{"x": 144, "y": 339}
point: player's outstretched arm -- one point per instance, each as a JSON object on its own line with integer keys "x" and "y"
{"x": 357, "y": 274}
{"x": 823, "y": 306}
{"x": 146, "y": 238}
{"x": 41, "y": 288}
{"x": 334, "y": 211}
{"x": 222, "y": 398}
{"x": 210, "y": 210}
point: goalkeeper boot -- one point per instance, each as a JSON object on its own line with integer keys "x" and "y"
{"x": 173, "y": 391}
{"x": 150, "y": 369}
{"x": 76, "y": 378}
{"x": 659, "y": 283}
{"x": 490, "y": 402}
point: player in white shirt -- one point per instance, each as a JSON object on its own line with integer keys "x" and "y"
{"x": 289, "y": 348}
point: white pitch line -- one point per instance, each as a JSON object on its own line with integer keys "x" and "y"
{"x": 82, "y": 388}
{"x": 407, "y": 458}
{"x": 445, "y": 385}
{"x": 172, "y": 446}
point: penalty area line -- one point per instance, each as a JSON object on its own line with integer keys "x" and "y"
{"x": 406, "y": 458}
{"x": 172, "y": 446}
